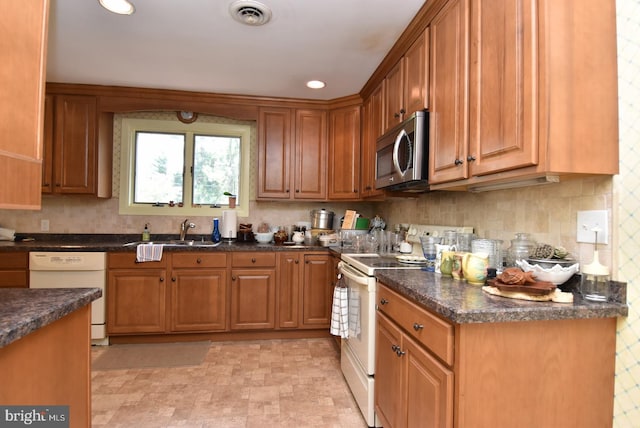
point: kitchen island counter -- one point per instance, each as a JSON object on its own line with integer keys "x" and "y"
{"x": 45, "y": 349}
{"x": 25, "y": 310}
{"x": 459, "y": 302}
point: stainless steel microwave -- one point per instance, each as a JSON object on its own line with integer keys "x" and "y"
{"x": 402, "y": 155}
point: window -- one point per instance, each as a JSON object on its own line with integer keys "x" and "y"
{"x": 170, "y": 168}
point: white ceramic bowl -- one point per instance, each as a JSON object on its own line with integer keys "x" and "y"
{"x": 264, "y": 237}
{"x": 556, "y": 274}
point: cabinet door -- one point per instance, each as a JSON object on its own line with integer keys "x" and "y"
{"x": 317, "y": 290}
{"x": 344, "y": 153}
{"x": 198, "y": 299}
{"x": 274, "y": 153}
{"x": 502, "y": 86}
{"x": 74, "y": 144}
{"x": 310, "y": 174}
{"x": 23, "y": 31}
{"x": 371, "y": 130}
{"x": 394, "y": 109}
{"x": 253, "y": 298}
{"x": 429, "y": 388}
{"x": 47, "y": 145}
{"x": 289, "y": 280}
{"x": 416, "y": 70}
{"x": 448, "y": 127}
{"x": 14, "y": 269}
{"x": 389, "y": 397}
{"x": 136, "y": 301}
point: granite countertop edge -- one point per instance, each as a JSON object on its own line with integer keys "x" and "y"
{"x": 116, "y": 243}
{"x": 25, "y": 310}
{"x": 460, "y": 303}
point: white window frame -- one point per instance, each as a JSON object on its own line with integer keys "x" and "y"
{"x": 127, "y": 166}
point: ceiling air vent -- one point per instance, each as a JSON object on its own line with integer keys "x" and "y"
{"x": 250, "y": 12}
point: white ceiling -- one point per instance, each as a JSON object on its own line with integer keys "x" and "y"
{"x": 195, "y": 45}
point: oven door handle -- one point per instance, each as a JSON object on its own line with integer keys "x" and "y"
{"x": 353, "y": 274}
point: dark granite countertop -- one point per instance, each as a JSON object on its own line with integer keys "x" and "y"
{"x": 115, "y": 242}
{"x": 460, "y": 302}
{"x": 25, "y": 310}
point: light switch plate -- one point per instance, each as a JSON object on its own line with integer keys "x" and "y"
{"x": 590, "y": 220}
{"x": 44, "y": 225}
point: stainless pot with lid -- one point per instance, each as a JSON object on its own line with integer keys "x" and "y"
{"x": 322, "y": 219}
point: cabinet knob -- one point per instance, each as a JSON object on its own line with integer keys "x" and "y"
{"x": 383, "y": 301}
{"x": 399, "y": 352}
{"x": 287, "y": 190}
{"x": 233, "y": 277}
{"x": 470, "y": 158}
{"x": 402, "y": 111}
{"x": 173, "y": 279}
{"x": 161, "y": 279}
{"x": 396, "y": 115}
{"x": 253, "y": 260}
{"x": 199, "y": 260}
{"x": 297, "y": 190}
{"x": 417, "y": 326}
{"x": 296, "y": 261}
{"x": 395, "y": 348}
{"x": 458, "y": 162}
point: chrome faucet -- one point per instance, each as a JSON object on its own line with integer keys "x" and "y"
{"x": 184, "y": 228}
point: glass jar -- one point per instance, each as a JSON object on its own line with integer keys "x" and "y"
{"x": 520, "y": 248}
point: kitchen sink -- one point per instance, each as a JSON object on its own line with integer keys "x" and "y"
{"x": 176, "y": 243}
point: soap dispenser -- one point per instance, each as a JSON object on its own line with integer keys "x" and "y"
{"x": 146, "y": 235}
{"x": 594, "y": 284}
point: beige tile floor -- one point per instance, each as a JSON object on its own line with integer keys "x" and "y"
{"x": 268, "y": 383}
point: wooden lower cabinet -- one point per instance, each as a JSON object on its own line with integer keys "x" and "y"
{"x": 198, "y": 292}
{"x": 413, "y": 388}
{"x": 253, "y": 291}
{"x": 14, "y": 269}
{"x": 213, "y": 292}
{"x": 136, "y": 301}
{"x": 526, "y": 374}
{"x": 317, "y": 290}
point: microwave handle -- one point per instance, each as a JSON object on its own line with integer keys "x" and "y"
{"x": 396, "y": 146}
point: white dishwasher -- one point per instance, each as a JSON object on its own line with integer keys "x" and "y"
{"x": 74, "y": 270}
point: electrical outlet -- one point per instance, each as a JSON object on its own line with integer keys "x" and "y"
{"x": 44, "y": 225}
{"x": 588, "y": 222}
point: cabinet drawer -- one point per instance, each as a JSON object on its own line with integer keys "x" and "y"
{"x": 14, "y": 278}
{"x": 253, "y": 259}
{"x": 11, "y": 260}
{"x": 434, "y": 333}
{"x": 195, "y": 260}
{"x": 128, "y": 261}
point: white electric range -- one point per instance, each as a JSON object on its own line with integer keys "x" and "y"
{"x": 358, "y": 350}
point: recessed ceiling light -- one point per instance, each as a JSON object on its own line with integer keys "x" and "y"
{"x": 121, "y": 7}
{"x": 316, "y": 84}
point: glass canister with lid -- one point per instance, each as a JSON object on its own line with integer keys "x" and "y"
{"x": 520, "y": 249}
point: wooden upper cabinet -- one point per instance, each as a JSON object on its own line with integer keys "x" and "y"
{"x": 371, "y": 129}
{"x": 292, "y": 147}
{"x": 23, "y": 31}
{"x": 416, "y": 75}
{"x": 407, "y": 84}
{"x": 394, "y": 108}
{"x": 503, "y": 107}
{"x": 77, "y": 160}
{"x": 448, "y": 127}
{"x": 532, "y": 85}
{"x": 344, "y": 153}
{"x": 310, "y": 176}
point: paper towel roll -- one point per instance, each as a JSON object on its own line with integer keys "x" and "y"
{"x": 229, "y": 224}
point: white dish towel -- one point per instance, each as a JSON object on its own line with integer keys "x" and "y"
{"x": 149, "y": 252}
{"x": 340, "y": 311}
